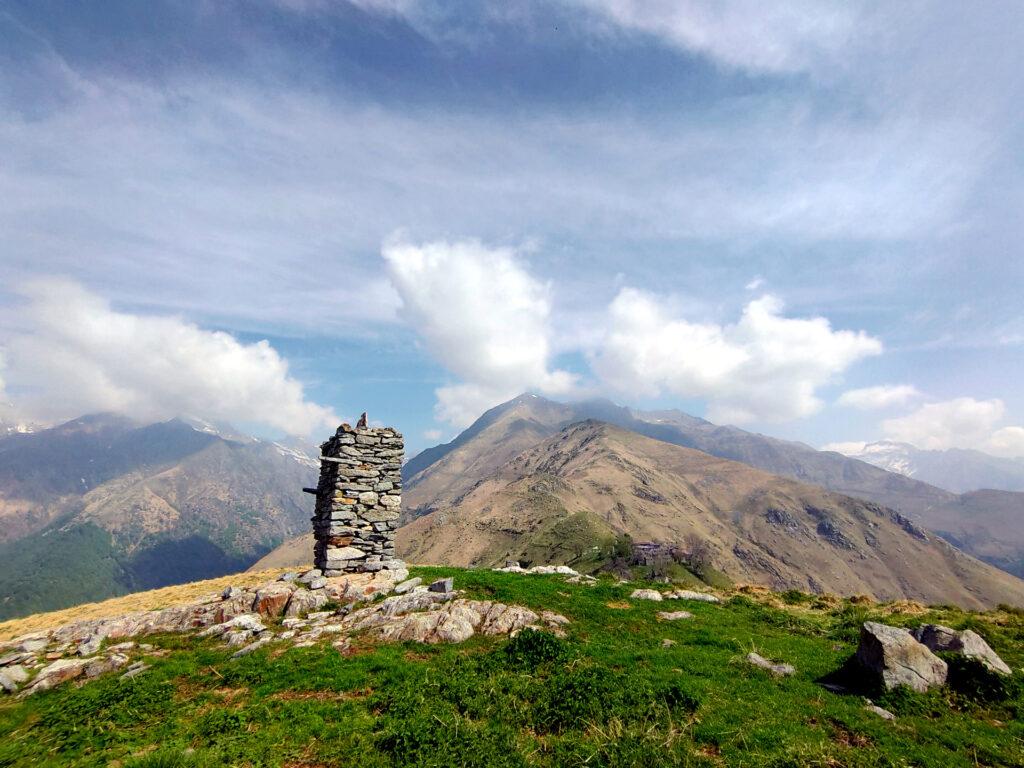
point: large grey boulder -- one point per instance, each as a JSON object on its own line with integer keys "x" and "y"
{"x": 899, "y": 659}
{"x": 965, "y": 642}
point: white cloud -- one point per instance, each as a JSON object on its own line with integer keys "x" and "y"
{"x": 959, "y": 423}
{"x": 1008, "y": 441}
{"x": 75, "y": 354}
{"x": 482, "y": 316}
{"x": 851, "y": 448}
{"x": 877, "y": 398}
{"x": 765, "y": 367}
{"x": 755, "y": 284}
{"x": 775, "y": 37}
{"x": 433, "y": 435}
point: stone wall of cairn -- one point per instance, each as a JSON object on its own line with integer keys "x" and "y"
{"x": 358, "y": 500}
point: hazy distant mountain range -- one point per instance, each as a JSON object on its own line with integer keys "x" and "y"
{"x": 956, "y": 469}
{"x": 101, "y": 506}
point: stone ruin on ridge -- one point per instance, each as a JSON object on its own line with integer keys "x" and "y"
{"x": 358, "y": 500}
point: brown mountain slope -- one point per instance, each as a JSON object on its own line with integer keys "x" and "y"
{"x": 592, "y": 479}
{"x": 101, "y": 506}
{"x": 437, "y": 477}
{"x": 989, "y": 524}
{"x": 440, "y": 475}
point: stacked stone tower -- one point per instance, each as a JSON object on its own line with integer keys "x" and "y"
{"x": 358, "y": 499}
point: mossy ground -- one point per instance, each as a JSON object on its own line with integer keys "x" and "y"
{"x": 609, "y": 694}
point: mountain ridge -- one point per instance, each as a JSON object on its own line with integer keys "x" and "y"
{"x": 102, "y": 505}
{"x": 605, "y": 480}
{"x": 452, "y": 470}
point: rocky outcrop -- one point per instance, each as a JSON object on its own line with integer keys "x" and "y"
{"x": 964, "y": 642}
{"x": 277, "y": 611}
{"x": 431, "y": 617}
{"x": 893, "y": 654}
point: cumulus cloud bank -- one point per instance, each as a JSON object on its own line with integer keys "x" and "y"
{"x": 962, "y": 422}
{"x": 483, "y": 317}
{"x": 877, "y": 398}
{"x": 487, "y": 320}
{"x": 75, "y": 354}
{"x": 765, "y": 367}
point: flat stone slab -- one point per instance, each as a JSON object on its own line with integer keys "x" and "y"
{"x": 674, "y": 615}
{"x": 647, "y": 594}
{"x": 776, "y": 668}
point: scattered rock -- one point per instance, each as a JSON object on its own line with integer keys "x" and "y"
{"x": 11, "y": 677}
{"x": 776, "y": 668}
{"x": 58, "y": 672}
{"x": 272, "y": 598}
{"x": 90, "y": 647}
{"x": 288, "y": 576}
{"x": 408, "y": 585}
{"x": 236, "y": 637}
{"x": 33, "y": 644}
{"x": 231, "y": 592}
{"x": 442, "y": 585}
{"x": 318, "y": 583}
{"x": 304, "y": 601}
{"x": 646, "y": 594}
{"x": 310, "y": 576}
{"x": 667, "y": 643}
{"x": 674, "y": 615}
{"x": 966, "y": 642}
{"x": 885, "y": 714}
{"x": 687, "y": 594}
{"x": 135, "y": 669}
{"x": 898, "y": 658}
{"x": 15, "y": 657}
{"x": 251, "y": 647}
{"x": 539, "y": 570}
{"x": 104, "y": 665}
{"x": 428, "y": 617}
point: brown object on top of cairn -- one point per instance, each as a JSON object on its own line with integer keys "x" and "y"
{"x": 362, "y": 422}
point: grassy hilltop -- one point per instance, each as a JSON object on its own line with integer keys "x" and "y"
{"x": 611, "y": 693}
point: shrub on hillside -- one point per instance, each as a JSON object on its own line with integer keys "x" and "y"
{"x": 533, "y": 648}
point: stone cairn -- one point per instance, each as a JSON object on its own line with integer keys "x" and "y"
{"x": 358, "y": 500}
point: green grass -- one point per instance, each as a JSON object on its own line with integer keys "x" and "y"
{"x": 609, "y": 694}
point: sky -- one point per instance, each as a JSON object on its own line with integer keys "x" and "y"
{"x": 803, "y": 218}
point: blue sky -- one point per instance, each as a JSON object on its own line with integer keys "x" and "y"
{"x": 283, "y": 213}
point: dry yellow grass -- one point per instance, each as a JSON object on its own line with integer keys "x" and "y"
{"x": 137, "y": 601}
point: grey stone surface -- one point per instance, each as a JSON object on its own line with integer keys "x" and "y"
{"x": 408, "y": 585}
{"x": 674, "y": 615}
{"x": 442, "y": 585}
{"x": 965, "y": 642}
{"x": 358, "y": 500}
{"x": 646, "y": 594}
{"x": 776, "y": 668}
{"x": 899, "y": 659}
